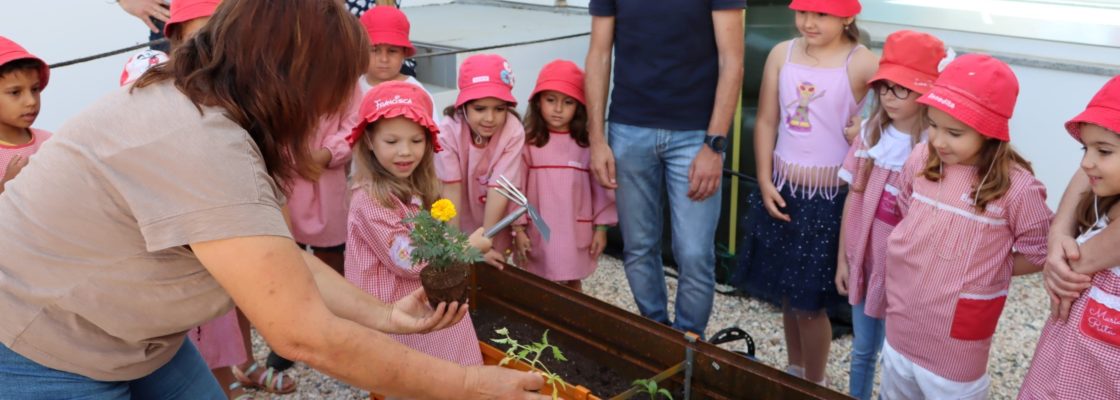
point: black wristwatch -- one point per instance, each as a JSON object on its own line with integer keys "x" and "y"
{"x": 717, "y": 143}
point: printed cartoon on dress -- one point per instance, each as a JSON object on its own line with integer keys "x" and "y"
{"x": 799, "y": 119}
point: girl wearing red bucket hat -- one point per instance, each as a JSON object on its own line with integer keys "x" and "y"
{"x": 812, "y": 86}
{"x": 187, "y": 17}
{"x": 483, "y": 138}
{"x": 388, "y": 30}
{"x": 394, "y": 178}
{"x": 1076, "y": 359}
{"x": 22, "y": 77}
{"x": 906, "y": 71}
{"x": 973, "y": 215}
{"x": 557, "y": 160}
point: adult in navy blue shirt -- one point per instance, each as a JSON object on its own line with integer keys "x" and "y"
{"x": 678, "y": 67}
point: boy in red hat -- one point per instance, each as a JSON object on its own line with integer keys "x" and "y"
{"x": 973, "y": 215}
{"x": 557, "y": 160}
{"x": 22, "y": 77}
{"x": 872, "y": 170}
{"x": 388, "y": 29}
{"x": 1077, "y": 359}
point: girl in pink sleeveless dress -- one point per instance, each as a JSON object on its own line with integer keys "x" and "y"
{"x": 1080, "y": 358}
{"x": 812, "y": 86}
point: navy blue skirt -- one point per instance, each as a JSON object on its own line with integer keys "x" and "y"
{"x": 792, "y": 262}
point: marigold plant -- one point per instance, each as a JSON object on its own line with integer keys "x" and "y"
{"x": 437, "y": 243}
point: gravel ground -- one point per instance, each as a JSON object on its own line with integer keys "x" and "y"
{"x": 1012, "y": 347}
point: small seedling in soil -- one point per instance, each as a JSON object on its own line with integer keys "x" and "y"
{"x": 531, "y": 354}
{"x": 650, "y": 387}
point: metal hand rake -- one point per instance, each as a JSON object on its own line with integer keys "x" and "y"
{"x": 509, "y": 191}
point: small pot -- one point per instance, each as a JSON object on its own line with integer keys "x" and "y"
{"x": 446, "y": 284}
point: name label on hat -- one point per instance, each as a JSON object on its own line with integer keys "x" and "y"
{"x": 393, "y": 101}
{"x": 943, "y": 101}
{"x": 480, "y": 79}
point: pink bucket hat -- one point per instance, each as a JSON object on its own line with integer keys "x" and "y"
{"x": 485, "y": 75}
{"x": 388, "y": 25}
{"x": 979, "y": 91}
{"x": 141, "y": 62}
{"x": 1103, "y": 110}
{"x": 396, "y": 99}
{"x": 562, "y": 76}
{"x": 839, "y": 8}
{"x": 186, "y": 10}
{"x": 11, "y": 51}
{"x": 911, "y": 59}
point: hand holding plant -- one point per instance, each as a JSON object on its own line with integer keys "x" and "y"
{"x": 530, "y": 354}
{"x": 448, "y": 252}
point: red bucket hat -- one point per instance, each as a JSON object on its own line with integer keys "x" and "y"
{"x": 911, "y": 59}
{"x": 186, "y": 10}
{"x": 562, "y": 76}
{"x": 1103, "y": 110}
{"x": 485, "y": 75}
{"x": 141, "y": 62}
{"x": 979, "y": 91}
{"x": 388, "y": 25}
{"x": 839, "y": 8}
{"x": 396, "y": 99}
{"x": 11, "y": 51}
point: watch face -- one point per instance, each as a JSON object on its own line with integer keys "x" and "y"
{"x": 718, "y": 143}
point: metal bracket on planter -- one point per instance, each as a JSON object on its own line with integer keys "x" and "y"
{"x": 732, "y": 334}
{"x": 509, "y": 191}
{"x": 689, "y": 360}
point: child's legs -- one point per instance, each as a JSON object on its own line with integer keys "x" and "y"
{"x": 640, "y": 176}
{"x": 816, "y": 338}
{"x": 902, "y": 379}
{"x": 869, "y": 335}
{"x": 694, "y": 230}
{"x": 793, "y": 339}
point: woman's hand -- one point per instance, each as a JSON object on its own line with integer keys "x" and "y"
{"x": 842, "y": 276}
{"x": 413, "y": 314}
{"x": 773, "y": 201}
{"x": 522, "y": 246}
{"x": 145, "y": 10}
{"x": 598, "y": 243}
{"x": 503, "y": 383}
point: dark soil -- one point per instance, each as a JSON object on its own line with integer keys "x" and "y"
{"x": 445, "y": 284}
{"x": 578, "y": 370}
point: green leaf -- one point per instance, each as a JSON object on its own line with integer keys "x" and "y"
{"x": 544, "y": 338}
{"x": 523, "y": 353}
{"x": 500, "y": 341}
{"x": 665, "y": 392}
{"x": 504, "y": 361}
{"x": 502, "y": 331}
{"x": 557, "y": 354}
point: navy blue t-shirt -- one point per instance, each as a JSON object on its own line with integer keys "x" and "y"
{"x": 666, "y": 64}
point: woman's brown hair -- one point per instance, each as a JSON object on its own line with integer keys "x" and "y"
{"x": 536, "y": 129}
{"x": 276, "y": 67}
{"x": 879, "y": 122}
{"x": 997, "y": 161}
{"x": 383, "y": 186}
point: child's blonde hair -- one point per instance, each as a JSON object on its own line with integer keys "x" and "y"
{"x": 996, "y": 162}
{"x": 383, "y": 186}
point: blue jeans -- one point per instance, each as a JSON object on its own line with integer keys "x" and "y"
{"x": 868, "y": 341}
{"x": 647, "y": 163}
{"x": 184, "y": 377}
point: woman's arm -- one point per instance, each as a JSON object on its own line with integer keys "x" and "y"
{"x": 269, "y": 280}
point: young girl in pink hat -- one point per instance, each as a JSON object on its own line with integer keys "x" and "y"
{"x": 812, "y": 86}
{"x": 907, "y": 70}
{"x": 973, "y": 215}
{"x": 483, "y": 138}
{"x": 395, "y": 148}
{"x": 22, "y": 78}
{"x": 559, "y": 182}
{"x": 388, "y": 29}
{"x": 1077, "y": 358}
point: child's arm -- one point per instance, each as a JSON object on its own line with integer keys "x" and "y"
{"x": 1023, "y": 266}
{"x": 447, "y": 166}
{"x": 606, "y": 215}
{"x": 15, "y": 165}
{"x": 766, "y": 132}
{"x": 842, "y": 254}
{"x": 337, "y": 148}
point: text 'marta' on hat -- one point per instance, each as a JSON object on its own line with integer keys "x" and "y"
{"x": 12, "y": 51}
{"x": 396, "y": 99}
{"x": 485, "y": 75}
{"x": 186, "y": 10}
{"x": 979, "y": 91}
{"x": 1103, "y": 110}
{"x": 562, "y": 76}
